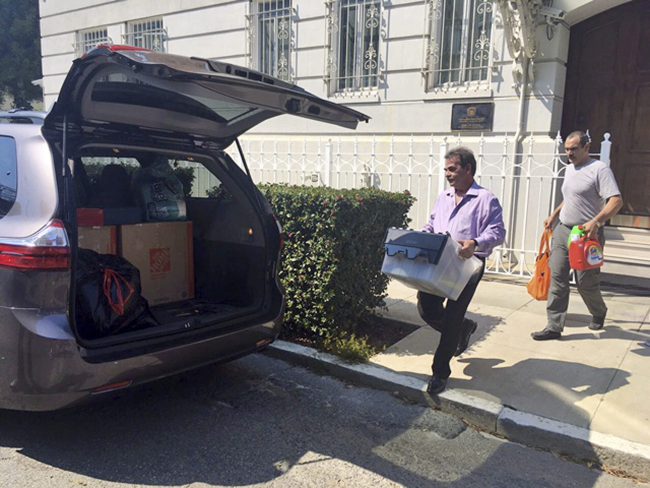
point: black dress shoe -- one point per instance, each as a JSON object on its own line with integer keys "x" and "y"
{"x": 546, "y": 335}
{"x": 436, "y": 385}
{"x": 469, "y": 327}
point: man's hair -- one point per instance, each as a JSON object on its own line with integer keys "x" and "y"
{"x": 466, "y": 157}
{"x": 584, "y": 138}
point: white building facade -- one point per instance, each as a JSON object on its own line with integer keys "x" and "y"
{"x": 492, "y": 75}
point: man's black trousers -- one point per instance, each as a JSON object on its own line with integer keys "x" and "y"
{"x": 448, "y": 320}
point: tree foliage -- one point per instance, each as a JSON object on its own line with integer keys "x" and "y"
{"x": 20, "y": 56}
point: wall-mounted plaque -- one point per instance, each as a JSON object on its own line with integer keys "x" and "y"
{"x": 472, "y": 116}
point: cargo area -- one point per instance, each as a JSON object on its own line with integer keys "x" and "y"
{"x": 166, "y": 243}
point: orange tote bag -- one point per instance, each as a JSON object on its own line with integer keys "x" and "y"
{"x": 541, "y": 281}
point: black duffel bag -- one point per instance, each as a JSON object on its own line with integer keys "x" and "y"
{"x": 108, "y": 296}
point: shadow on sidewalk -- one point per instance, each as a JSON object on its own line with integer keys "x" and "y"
{"x": 424, "y": 339}
{"x": 548, "y": 387}
{"x": 608, "y": 332}
{"x": 582, "y": 320}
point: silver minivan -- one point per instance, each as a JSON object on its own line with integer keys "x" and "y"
{"x": 122, "y": 110}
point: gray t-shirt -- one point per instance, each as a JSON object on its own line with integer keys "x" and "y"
{"x": 585, "y": 190}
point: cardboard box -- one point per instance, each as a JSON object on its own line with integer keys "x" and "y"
{"x": 163, "y": 252}
{"x": 99, "y": 239}
{"x": 88, "y": 217}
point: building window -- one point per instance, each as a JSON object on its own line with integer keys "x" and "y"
{"x": 458, "y": 45}
{"x": 148, "y": 34}
{"x": 271, "y": 32}
{"x": 88, "y": 39}
{"x": 353, "y": 55}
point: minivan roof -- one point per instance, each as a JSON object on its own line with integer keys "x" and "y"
{"x": 126, "y": 86}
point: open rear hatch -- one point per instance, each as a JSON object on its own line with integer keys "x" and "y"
{"x": 147, "y": 181}
{"x": 163, "y": 93}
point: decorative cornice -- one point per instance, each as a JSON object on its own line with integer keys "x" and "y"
{"x": 519, "y": 19}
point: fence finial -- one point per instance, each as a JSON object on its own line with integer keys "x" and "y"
{"x": 606, "y": 149}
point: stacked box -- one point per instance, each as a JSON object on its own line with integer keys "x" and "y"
{"x": 163, "y": 252}
{"x": 101, "y": 239}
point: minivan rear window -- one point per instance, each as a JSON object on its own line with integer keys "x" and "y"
{"x": 8, "y": 178}
{"x": 123, "y": 89}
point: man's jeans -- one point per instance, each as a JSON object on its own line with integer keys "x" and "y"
{"x": 588, "y": 283}
{"x": 448, "y": 320}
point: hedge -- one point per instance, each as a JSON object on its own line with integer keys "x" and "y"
{"x": 331, "y": 263}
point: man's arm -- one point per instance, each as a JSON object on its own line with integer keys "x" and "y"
{"x": 493, "y": 234}
{"x": 549, "y": 223}
{"x": 614, "y": 204}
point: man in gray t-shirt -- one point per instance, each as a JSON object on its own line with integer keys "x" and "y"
{"x": 590, "y": 198}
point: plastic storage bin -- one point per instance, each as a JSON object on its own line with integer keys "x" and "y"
{"x": 427, "y": 262}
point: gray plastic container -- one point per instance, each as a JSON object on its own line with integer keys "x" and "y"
{"x": 427, "y": 262}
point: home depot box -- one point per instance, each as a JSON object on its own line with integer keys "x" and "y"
{"x": 163, "y": 253}
{"x": 101, "y": 239}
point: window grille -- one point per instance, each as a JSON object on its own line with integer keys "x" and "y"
{"x": 88, "y": 39}
{"x": 271, "y": 32}
{"x": 458, "y": 45}
{"x": 353, "y": 55}
{"x": 148, "y": 34}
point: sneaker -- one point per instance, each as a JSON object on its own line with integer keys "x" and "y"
{"x": 436, "y": 385}
{"x": 546, "y": 335}
{"x": 469, "y": 328}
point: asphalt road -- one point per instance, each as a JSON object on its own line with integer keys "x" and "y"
{"x": 260, "y": 421}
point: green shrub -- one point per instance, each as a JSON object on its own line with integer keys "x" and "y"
{"x": 186, "y": 176}
{"x": 331, "y": 264}
{"x": 349, "y": 347}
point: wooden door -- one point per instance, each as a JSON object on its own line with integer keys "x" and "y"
{"x": 608, "y": 90}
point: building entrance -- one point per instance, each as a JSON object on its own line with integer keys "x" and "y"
{"x": 608, "y": 90}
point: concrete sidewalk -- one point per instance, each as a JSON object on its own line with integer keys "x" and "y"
{"x": 586, "y": 396}
{"x": 598, "y": 381}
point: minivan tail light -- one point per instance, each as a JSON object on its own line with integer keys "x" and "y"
{"x": 47, "y": 249}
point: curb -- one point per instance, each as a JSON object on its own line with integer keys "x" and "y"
{"x": 580, "y": 444}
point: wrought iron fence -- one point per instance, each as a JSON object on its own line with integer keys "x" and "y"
{"x": 527, "y": 182}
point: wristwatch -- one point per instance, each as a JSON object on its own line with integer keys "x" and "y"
{"x": 475, "y": 244}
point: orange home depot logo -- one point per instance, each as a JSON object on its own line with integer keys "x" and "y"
{"x": 160, "y": 261}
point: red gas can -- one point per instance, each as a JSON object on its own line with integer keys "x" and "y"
{"x": 585, "y": 253}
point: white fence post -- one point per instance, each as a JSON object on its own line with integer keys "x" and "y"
{"x": 441, "y": 165}
{"x": 327, "y": 166}
{"x": 432, "y": 164}
{"x": 606, "y": 149}
{"x": 395, "y": 162}
{"x": 374, "y": 178}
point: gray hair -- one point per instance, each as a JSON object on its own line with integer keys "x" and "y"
{"x": 466, "y": 157}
